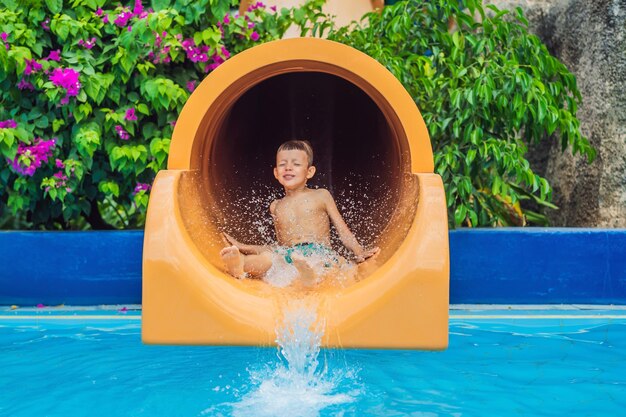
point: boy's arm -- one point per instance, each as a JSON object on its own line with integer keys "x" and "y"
{"x": 244, "y": 248}
{"x": 250, "y": 249}
{"x": 346, "y": 236}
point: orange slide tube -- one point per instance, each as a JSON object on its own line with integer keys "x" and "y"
{"x": 372, "y": 151}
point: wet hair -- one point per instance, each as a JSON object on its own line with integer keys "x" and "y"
{"x": 298, "y": 145}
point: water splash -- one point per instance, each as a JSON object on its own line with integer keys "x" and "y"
{"x": 327, "y": 265}
{"x": 299, "y": 337}
{"x": 365, "y": 204}
{"x": 297, "y": 385}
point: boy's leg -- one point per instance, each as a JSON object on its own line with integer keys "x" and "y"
{"x": 307, "y": 274}
{"x": 257, "y": 265}
{"x": 238, "y": 264}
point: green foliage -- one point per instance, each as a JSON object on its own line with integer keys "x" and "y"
{"x": 487, "y": 89}
{"x": 135, "y": 68}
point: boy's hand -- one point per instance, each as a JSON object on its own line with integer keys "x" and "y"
{"x": 366, "y": 254}
{"x": 230, "y": 241}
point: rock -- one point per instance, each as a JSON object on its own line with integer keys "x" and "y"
{"x": 589, "y": 37}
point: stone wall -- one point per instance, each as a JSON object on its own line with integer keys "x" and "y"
{"x": 589, "y": 37}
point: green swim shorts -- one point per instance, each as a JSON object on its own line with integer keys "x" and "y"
{"x": 310, "y": 249}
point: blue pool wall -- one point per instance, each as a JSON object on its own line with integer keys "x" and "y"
{"x": 487, "y": 266}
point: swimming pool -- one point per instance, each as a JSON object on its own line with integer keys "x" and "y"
{"x": 501, "y": 361}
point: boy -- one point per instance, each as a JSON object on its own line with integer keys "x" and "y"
{"x": 302, "y": 221}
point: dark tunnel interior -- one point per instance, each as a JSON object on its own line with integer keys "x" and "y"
{"x": 357, "y": 156}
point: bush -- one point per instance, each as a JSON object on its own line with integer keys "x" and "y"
{"x": 487, "y": 89}
{"x": 90, "y": 92}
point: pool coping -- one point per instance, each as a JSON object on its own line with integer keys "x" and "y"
{"x": 457, "y": 312}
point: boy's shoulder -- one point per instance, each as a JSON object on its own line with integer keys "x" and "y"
{"x": 317, "y": 193}
{"x": 273, "y": 205}
{"x": 321, "y": 193}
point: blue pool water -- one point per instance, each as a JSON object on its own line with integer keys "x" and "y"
{"x": 499, "y": 363}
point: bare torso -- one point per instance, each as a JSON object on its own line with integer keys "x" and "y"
{"x": 301, "y": 218}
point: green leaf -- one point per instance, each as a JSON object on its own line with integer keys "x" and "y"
{"x": 42, "y": 122}
{"x": 109, "y": 188}
{"x": 61, "y": 28}
{"x": 87, "y": 140}
{"x": 142, "y": 108}
{"x": 459, "y": 214}
{"x": 55, "y": 6}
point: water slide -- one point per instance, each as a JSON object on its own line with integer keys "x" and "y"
{"x": 373, "y": 153}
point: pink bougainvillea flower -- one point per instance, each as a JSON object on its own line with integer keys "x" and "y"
{"x": 46, "y": 24}
{"x": 54, "y": 55}
{"x": 225, "y": 52}
{"x": 25, "y": 85}
{"x": 141, "y": 187}
{"x": 130, "y": 114}
{"x": 162, "y": 56}
{"x": 88, "y": 44}
{"x": 138, "y": 9}
{"x": 66, "y": 78}
{"x": 105, "y": 19}
{"x": 191, "y": 85}
{"x": 227, "y": 20}
{"x": 124, "y": 135}
{"x": 254, "y": 36}
{"x": 99, "y": 12}
{"x": 158, "y": 39}
{"x": 4, "y": 36}
{"x": 8, "y": 124}
{"x": 257, "y": 5}
{"x": 187, "y": 44}
{"x": 30, "y": 157}
{"x": 31, "y": 66}
{"x": 273, "y": 8}
{"x": 200, "y": 54}
{"x": 59, "y": 164}
{"x": 250, "y": 25}
{"x": 61, "y": 179}
{"x": 195, "y": 53}
{"x": 123, "y": 18}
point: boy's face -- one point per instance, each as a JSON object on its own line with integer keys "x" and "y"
{"x": 292, "y": 169}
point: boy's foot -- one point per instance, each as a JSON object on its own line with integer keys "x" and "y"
{"x": 233, "y": 259}
{"x": 307, "y": 274}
